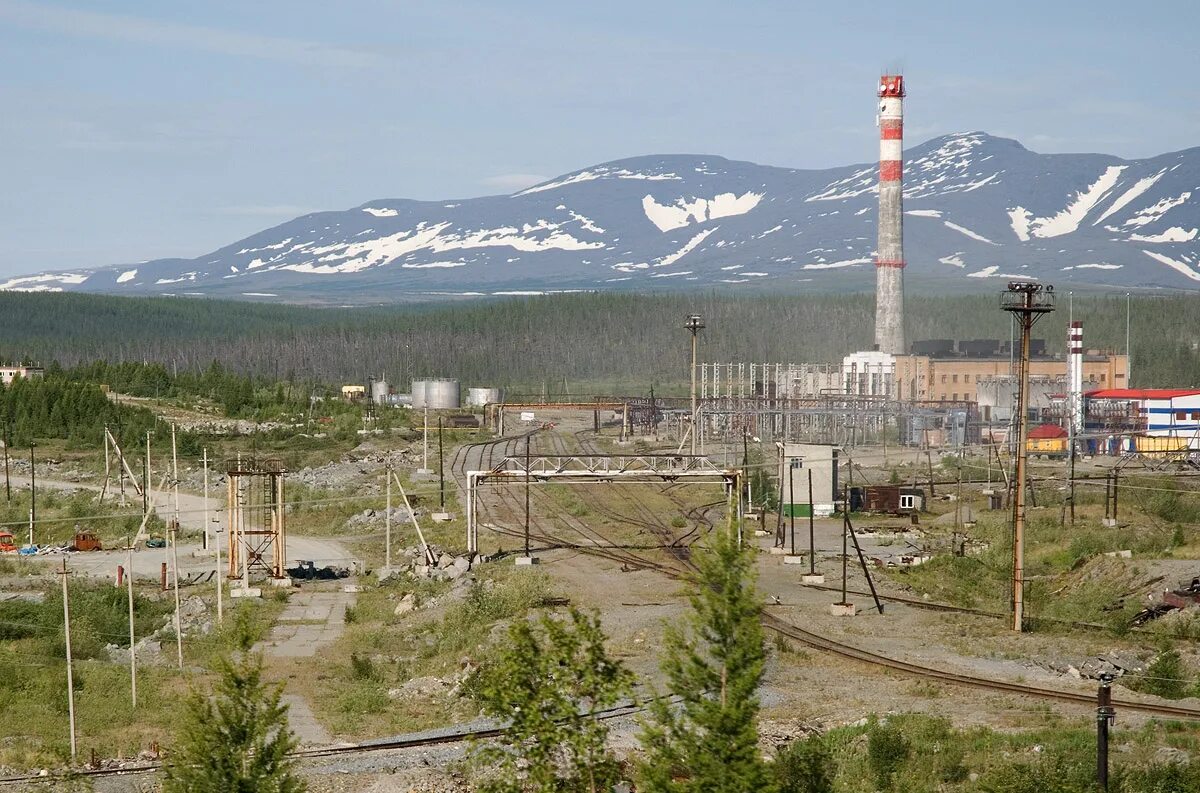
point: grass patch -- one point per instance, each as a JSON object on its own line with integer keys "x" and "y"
{"x": 381, "y": 651}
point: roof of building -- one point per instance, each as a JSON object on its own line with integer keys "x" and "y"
{"x": 1142, "y": 393}
{"x": 1046, "y": 431}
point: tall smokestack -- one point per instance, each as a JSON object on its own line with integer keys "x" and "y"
{"x": 889, "y": 261}
{"x": 1075, "y": 375}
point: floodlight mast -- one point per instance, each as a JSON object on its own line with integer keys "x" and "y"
{"x": 694, "y": 323}
{"x": 1027, "y": 301}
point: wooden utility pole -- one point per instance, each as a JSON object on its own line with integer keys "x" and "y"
{"x": 132, "y": 642}
{"x": 1027, "y": 302}
{"x": 7, "y": 443}
{"x": 442, "y": 467}
{"x": 173, "y": 538}
{"x": 812, "y": 541}
{"x": 70, "y": 672}
{"x": 32, "y": 492}
{"x": 204, "y": 462}
{"x": 792, "y": 502}
{"x": 146, "y": 481}
{"x": 527, "y": 496}
{"x": 387, "y": 520}
{"x": 217, "y": 578}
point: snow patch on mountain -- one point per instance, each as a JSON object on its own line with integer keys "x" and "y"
{"x": 1139, "y": 187}
{"x": 1181, "y": 267}
{"x": 1068, "y": 219}
{"x": 681, "y": 212}
{"x": 967, "y": 232}
{"x": 599, "y": 173}
{"x": 46, "y": 282}
{"x": 1155, "y": 211}
{"x": 686, "y": 249}
{"x": 381, "y": 213}
{"x": 1173, "y": 234}
{"x": 128, "y": 275}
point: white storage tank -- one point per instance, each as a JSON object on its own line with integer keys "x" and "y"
{"x": 379, "y": 392}
{"x": 418, "y": 393}
{"x": 441, "y": 394}
{"x": 478, "y": 397}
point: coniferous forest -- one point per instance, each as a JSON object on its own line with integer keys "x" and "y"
{"x": 587, "y": 341}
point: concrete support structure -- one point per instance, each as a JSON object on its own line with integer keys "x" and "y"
{"x": 889, "y": 256}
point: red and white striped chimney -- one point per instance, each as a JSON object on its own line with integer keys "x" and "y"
{"x": 889, "y": 254}
{"x": 1075, "y": 374}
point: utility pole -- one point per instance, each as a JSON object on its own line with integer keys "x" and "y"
{"x": 173, "y": 538}
{"x": 1106, "y": 716}
{"x": 694, "y": 324}
{"x": 70, "y": 673}
{"x": 217, "y": 578}
{"x": 175, "y": 474}
{"x": 792, "y": 502}
{"x": 1026, "y": 302}
{"x": 424, "y": 470}
{"x": 441, "y": 469}
{"x": 527, "y": 555}
{"x": 204, "y": 539}
{"x": 146, "y": 481}
{"x": 387, "y": 521}
{"x": 132, "y": 642}
{"x": 7, "y": 483}
{"x": 32, "y": 492}
{"x": 812, "y": 542}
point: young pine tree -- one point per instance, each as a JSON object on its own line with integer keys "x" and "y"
{"x": 708, "y": 743}
{"x": 549, "y": 679}
{"x": 237, "y": 740}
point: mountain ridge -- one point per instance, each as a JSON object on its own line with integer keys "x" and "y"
{"x": 977, "y": 207}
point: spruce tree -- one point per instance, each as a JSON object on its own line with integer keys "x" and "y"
{"x": 708, "y": 741}
{"x": 237, "y": 740}
{"x": 548, "y": 680}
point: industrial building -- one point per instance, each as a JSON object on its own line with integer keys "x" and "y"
{"x": 1148, "y": 420}
{"x": 799, "y": 461}
{"x": 945, "y": 370}
{"x": 10, "y": 373}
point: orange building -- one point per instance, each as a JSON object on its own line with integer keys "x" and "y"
{"x": 953, "y": 378}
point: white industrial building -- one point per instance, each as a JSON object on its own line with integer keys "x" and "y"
{"x": 796, "y": 462}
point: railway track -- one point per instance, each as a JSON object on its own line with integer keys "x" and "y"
{"x": 679, "y": 568}
{"x": 487, "y": 454}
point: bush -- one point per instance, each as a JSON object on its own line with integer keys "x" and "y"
{"x": 887, "y": 749}
{"x": 1167, "y": 676}
{"x": 805, "y": 766}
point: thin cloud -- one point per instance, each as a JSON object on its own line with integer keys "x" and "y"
{"x": 513, "y": 181}
{"x": 140, "y": 30}
{"x": 266, "y": 210}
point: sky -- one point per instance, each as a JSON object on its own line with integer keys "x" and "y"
{"x": 137, "y": 130}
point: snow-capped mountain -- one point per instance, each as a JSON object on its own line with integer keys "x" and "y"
{"x": 977, "y": 207}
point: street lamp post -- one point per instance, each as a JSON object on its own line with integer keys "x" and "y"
{"x": 694, "y": 323}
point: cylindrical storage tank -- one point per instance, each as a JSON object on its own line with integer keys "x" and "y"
{"x": 478, "y": 397}
{"x": 379, "y": 392}
{"x": 418, "y": 393}
{"x": 441, "y": 394}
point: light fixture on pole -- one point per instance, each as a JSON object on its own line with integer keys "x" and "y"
{"x": 694, "y": 323}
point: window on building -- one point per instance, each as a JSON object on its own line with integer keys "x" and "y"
{"x": 1196, "y": 415}
{"x": 943, "y": 378}
{"x": 954, "y": 378}
{"x": 797, "y": 463}
{"x": 908, "y": 501}
{"x": 1103, "y": 377}
{"x": 954, "y": 396}
{"x": 1181, "y": 415}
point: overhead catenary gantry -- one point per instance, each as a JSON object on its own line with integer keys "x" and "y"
{"x": 602, "y": 468}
